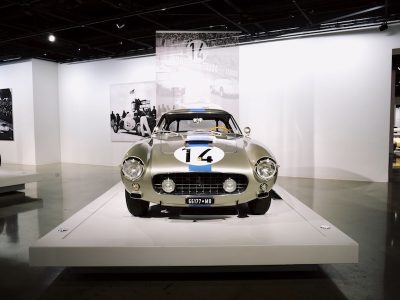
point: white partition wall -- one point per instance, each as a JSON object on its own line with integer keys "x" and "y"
{"x": 85, "y": 107}
{"x": 46, "y": 112}
{"x": 322, "y": 104}
{"x": 18, "y": 77}
{"x": 34, "y": 87}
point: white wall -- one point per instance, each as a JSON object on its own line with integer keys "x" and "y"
{"x": 322, "y": 104}
{"x": 18, "y": 77}
{"x": 46, "y": 111}
{"x": 84, "y": 94}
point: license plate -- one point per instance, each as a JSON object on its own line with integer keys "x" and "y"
{"x": 201, "y": 201}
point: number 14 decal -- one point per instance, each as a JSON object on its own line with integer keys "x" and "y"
{"x": 201, "y": 157}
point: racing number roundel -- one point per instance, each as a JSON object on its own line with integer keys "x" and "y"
{"x": 199, "y": 155}
{"x": 197, "y": 50}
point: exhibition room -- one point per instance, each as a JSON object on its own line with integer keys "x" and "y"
{"x": 213, "y": 149}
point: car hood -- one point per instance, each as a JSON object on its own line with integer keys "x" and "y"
{"x": 233, "y": 156}
{"x": 169, "y": 143}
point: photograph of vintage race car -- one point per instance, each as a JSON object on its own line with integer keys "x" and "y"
{"x": 140, "y": 121}
{"x": 133, "y": 111}
{"x": 198, "y": 158}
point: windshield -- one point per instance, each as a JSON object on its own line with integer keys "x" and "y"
{"x": 180, "y": 123}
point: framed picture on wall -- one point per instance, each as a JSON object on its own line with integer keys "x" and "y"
{"x": 132, "y": 111}
{"x": 6, "y": 115}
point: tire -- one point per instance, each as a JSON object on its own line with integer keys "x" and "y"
{"x": 137, "y": 207}
{"x": 259, "y": 206}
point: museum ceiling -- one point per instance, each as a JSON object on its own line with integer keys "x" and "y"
{"x": 96, "y": 29}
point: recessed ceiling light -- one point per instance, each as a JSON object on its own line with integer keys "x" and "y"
{"x": 52, "y": 38}
{"x": 79, "y": 49}
{"x": 163, "y": 9}
{"x": 44, "y": 54}
{"x": 120, "y": 26}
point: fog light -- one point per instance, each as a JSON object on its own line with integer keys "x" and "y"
{"x": 135, "y": 186}
{"x": 264, "y": 187}
{"x": 229, "y": 185}
{"x": 168, "y": 185}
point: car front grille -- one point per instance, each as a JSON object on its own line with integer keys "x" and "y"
{"x": 200, "y": 183}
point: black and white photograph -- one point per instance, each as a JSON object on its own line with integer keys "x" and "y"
{"x": 6, "y": 115}
{"x": 197, "y": 69}
{"x": 133, "y": 111}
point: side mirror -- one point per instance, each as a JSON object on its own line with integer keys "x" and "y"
{"x": 247, "y": 131}
{"x": 155, "y": 129}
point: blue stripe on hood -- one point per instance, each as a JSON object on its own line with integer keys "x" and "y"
{"x": 196, "y": 168}
{"x": 205, "y": 168}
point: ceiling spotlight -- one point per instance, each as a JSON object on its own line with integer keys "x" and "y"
{"x": 51, "y": 38}
{"x": 120, "y": 26}
{"x": 79, "y": 49}
{"x": 383, "y": 26}
{"x": 44, "y": 54}
{"x": 163, "y": 9}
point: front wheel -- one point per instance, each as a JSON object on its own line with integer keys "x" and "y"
{"x": 137, "y": 207}
{"x": 260, "y": 206}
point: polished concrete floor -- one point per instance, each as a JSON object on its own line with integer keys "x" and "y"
{"x": 367, "y": 212}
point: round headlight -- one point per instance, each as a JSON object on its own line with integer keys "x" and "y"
{"x": 132, "y": 168}
{"x": 229, "y": 185}
{"x": 266, "y": 168}
{"x": 168, "y": 185}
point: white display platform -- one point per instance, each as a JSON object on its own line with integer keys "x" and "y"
{"x": 105, "y": 234}
{"x": 15, "y": 180}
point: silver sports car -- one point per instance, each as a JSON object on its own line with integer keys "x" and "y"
{"x": 199, "y": 158}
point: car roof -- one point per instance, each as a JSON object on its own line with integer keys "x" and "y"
{"x": 210, "y": 111}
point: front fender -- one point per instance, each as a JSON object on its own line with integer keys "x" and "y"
{"x": 142, "y": 150}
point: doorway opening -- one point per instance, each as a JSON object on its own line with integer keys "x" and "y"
{"x": 394, "y": 161}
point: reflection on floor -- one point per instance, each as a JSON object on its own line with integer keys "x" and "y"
{"x": 367, "y": 212}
